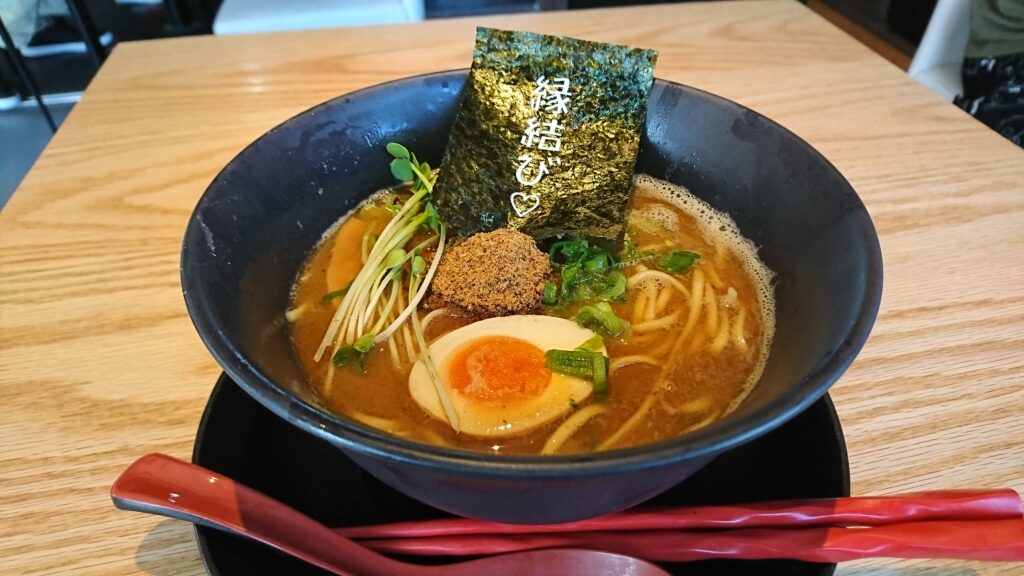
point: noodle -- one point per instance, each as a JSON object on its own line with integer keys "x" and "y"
{"x": 711, "y": 418}
{"x": 655, "y": 344}
{"x": 696, "y": 405}
{"x": 434, "y": 437}
{"x": 664, "y": 297}
{"x": 293, "y": 314}
{"x": 639, "y": 277}
{"x": 329, "y": 379}
{"x": 714, "y": 278}
{"x": 722, "y": 337}
{"x": 711, "y": 305}
{"x": 652, "y": 300}
{"x": 571, "y": 425}
{"x": 658, "y": 324}
{"x": 639, "y": 307}
{"x": 383, "y": 308}
{"x": 623, "y": 361}
{"x": 699, "y": 337}
{"x": 630, "y": 423}
{"x": 737, "y": 331}
{"x": 431, "y": 316}
{"x": 719, "y": 253}
{"x": 393, "y": 353}
{"x": 375, "y": 421}
{"x": 695, "y": 303}
{"x": 404, "y": 333}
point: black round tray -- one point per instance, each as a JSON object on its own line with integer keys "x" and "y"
{"x": 805, "y": 458}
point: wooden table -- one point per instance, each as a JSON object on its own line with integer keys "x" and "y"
{"x": 99, "y": 362}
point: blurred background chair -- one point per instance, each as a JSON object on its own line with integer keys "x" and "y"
{"x": 252, "y": 16}
{"x": 939, "y": 58}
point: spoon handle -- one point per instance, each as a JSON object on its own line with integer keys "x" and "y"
{"x": 159, "y": 484}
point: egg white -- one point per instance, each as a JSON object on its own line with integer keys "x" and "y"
{"x": 517, "y": 416}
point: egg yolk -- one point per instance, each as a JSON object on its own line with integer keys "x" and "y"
{"x": 497, "y": 369}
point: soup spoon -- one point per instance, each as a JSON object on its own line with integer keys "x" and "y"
{"x": 161, "y": 485}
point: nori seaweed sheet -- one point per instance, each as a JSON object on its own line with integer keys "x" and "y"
{"x": 586, "y": 188}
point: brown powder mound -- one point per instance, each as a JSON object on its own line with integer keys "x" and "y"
{"x": 493, "y": 274}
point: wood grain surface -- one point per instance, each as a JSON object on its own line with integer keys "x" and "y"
{"x": 99, "y": 363}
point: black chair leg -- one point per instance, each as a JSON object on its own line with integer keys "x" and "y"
{"x": 22, "y": 69}
{"x": 87, "y": 29}
{"x": 178, "y": 14}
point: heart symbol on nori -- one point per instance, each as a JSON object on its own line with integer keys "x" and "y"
{"x": 523, "y": 204}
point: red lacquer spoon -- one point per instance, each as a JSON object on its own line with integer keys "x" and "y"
{"x": 159, "y": 484}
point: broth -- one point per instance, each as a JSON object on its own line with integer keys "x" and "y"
{"x": 684, "y": 365}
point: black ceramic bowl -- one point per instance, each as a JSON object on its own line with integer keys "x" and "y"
{"x": 260, "y": 218}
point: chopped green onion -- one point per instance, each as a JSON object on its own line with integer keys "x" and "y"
{"x": 573, "y": 404}
{"x": 602, "y": 318}
{"x": 600, "y": 373}
{"x": 593, "y": 344}
{"x": 581, "y": 364}
{"x": 600, "y": 262}
{"x": 572, "y": 362}
{"x": 678, "y": 261}
{"x": 616, "y": 286}
{"x": 550, "y": 294}
{"x": 587, "y": 272}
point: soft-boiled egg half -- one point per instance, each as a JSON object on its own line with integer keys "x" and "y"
{"x": 495, "y": 374}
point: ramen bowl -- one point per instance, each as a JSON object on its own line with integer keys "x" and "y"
{"x": 260, "y": 218}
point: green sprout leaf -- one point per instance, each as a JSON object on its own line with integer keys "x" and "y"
{"x": 335, "y": 293}
{"x": 397, "y": 150}
{"x": 401, "y": 168}
{"x": 433, "y": 221}
{"x": 419, "y": 266}
{"x": 394, "y": 258}
{"x": 364, "y": 343}
{"x": 344, "y": 355}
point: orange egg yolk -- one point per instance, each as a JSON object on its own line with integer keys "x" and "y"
{"x": 497, "y": 369}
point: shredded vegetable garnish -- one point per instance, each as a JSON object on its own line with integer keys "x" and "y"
{"x": 368, "y": 315}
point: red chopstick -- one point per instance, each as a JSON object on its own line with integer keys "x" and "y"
{"x": 860, "y": 510}
{"x": 996, "y": 540}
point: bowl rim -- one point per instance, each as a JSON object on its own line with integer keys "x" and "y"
{"x": 364, "y": 440}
